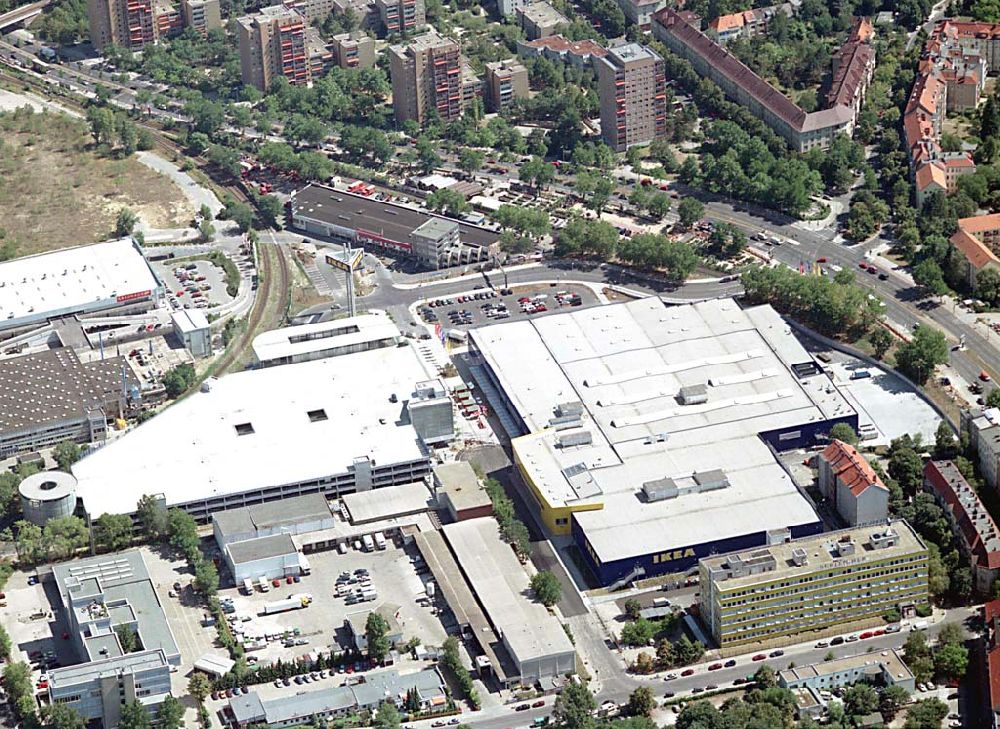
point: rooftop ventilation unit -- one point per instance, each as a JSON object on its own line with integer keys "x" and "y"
{"x": 660, "y": 489}
{"x": 799, "y": 557}
{"x": 568, "y": 440}
{"x": 694, "y": 394}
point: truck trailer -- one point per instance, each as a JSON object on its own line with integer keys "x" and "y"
{"x": 293, "y": 602}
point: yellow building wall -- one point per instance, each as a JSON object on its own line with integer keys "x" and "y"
{"x": 555, "y": 517}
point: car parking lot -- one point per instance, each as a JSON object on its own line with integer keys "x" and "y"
{"x": 194, "y": 284}
{"x": 392, "y": 575}
{"x": 479, "y": 308}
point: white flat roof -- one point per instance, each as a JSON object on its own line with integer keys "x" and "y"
{"x": 625, "y": 364}
{"x": 72, "y": 279}
{"x": 309, "y": 421}
{"x": 387, "y": 502}
{"x": 347, "y": 333}
{"x": 528, "y": 629}
{"x": 190, "y": 320}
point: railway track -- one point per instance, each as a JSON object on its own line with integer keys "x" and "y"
{"x": 271, "y": 303}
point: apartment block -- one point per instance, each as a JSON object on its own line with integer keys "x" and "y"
{"x": 632, "y": 85}
{"x": 364, "y": 10}
{"x": 202, "y": 15}
{"x": 747, "y": 23}
{"x": 803, "y": 131}
{"x": 168, "y": 20}
{"x": 540, "y": 20}
{"x": 427, "y": 76}
{"x": 401, "y": 16}
{"x": 848, "y": 481}
{"x": 886, "y": 668}
{"x": 311, "y": 10}
{"x": 505, "y": 82}
{"x": 319, "y": 54}
{"x": 353, "y": 50}
{"x": 951, "y": 77}
{"x": 817, "y": 583}
{"x": 509, "y": 8}
{"x": 983, "y": 428}
{"x": 974, "y": 528}
{"x": 977, "y": 239}
{"x": 578, "y": 54}
{"x": 991, "y": 619}
{"x": 273, "y": 44}
{"x": 640, "y": 12}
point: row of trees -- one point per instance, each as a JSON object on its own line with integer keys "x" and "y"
{"x": 512, "y": 529}
{"x": 949, "y": 658}
{"x": 452, "y": 661}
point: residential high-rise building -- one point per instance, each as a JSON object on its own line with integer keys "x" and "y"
{"x": 819, "y": 583}
{"x": 202, "y": 15}
{"x": 401, "y": 16}
{"x": 427, "y": 76}
{"x": 632, "y": 84}
{"x": 353, "y": 50}
{"x": 505, "y": 81}
{"x": 133, "y": 24}
{"x": 272, "y": 44}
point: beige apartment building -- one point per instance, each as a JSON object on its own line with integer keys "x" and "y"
{"x": 272, "y": 44}
{"x": 401, "y": 16}
{"x": 353, "y": 50}
{"x": 202, "y": 15}
{"x": 429, "y": 74}
{"x": 817, "y": 583}
{"x": 632, "y": 85}
{"x": 505, "y": 82}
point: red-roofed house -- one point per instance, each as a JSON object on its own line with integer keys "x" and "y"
{"x": 991, "y": 617}
{"x": 848, "y": 480}
{"x": 977, "y": 534}
{"x": 978, "y": 239}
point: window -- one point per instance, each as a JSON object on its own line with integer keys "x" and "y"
{"x": 316, "y": 416}
{"x": 244, "y": 428}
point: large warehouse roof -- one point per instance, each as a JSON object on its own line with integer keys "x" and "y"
{"x": 262, "y": 428}
{"x": 70, "y": 280}
{"x": 528, "y": 629}
{"x": 625, "y": 396}
{"x": 337, "y": 336}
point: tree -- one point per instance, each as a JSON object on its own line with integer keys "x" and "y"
{"x": 765, "y": 677}
{"x": 386, "y": 717}
{"x": 427, "y": 155}
{"x": 239, "y": 213}
{"x": 29, "y": 542}
{"x": 918, "y": 357}
{"x": 447, "y": 201}
{"x": 5, "y": 644}
{"x": 641, "y": 702}
{"x": 376, "y": 630}
{"x": 546, "y": 587}
{"x": 893, "y": 698}
{"x": 470, "y": 160}
{"x": 860, "y": 700}
{"x": 988, "y": 285}
{"x": 928, "y": 275}
{"x": 632, "y": 608}
{"x": 134, "y": 716}
{"x": 182, "y": 531}
{"x": 199, "y": 686}
{"x": 65, "y": 536}
{"x": 127, "y": 639}
{"x": 102, "y": 124}
{"x": 926, "y": 714}
{"x": 64, "y": 716}
{"x": 206, "y": 578}
{"x": 952, "y": 660}
{"x": 178, "y": 379}
{"x": 844, "y": 432}
{"x": 638, "y": 632}
{"x": 574, "y": 708}
{"x": 270, "y": 209}
{"x": 170, "y": 715}
{"x": 152, "y": 516}
{"x": 66, "y": 454}
{"x": 125, "y": 223}
{"x": 881, "y": 340}
{"x": 690, "y": 211}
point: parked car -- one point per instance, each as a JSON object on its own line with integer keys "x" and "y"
{"x": 759, "y": 657}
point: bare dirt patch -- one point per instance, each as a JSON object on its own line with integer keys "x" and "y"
{"x": 56, "y": 191}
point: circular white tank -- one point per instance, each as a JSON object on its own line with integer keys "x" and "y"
{"x": 47, "y": 495}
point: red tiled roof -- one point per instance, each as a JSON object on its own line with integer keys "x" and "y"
{"x": 980, "y": 223}
{"x": 728, "y": 22}
{"x": 850, "y": 467}
{"x": 979, "y": 531}
{"x": 559, "y": 44}
{"x": 853, "y": 62}
{"x": 931, "y": 173}
{"x": 974, "y": 250}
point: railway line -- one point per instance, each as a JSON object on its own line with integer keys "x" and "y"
{"x": 274, "y": 280}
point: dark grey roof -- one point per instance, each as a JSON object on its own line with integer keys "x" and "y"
{"x": 273, "y": 515}
{"x": 396, "y": 222}
{"x": 55, "y": 385}
{"x": 252, "y": 550}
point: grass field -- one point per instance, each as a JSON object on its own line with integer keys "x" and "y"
{"x": 55, "y": 191}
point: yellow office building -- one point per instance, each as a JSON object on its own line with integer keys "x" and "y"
{"x": 815, "y": 583}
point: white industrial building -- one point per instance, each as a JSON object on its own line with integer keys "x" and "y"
{"x": 331, "y": 426}
{"x": 297, "y": 515}
{"x": 47, "y": 495}
{"x": 99, "y": 277}
{"x": 264, "y": 558}
{"x": 647, "y": 432}
{"x": 533, "y": 637}
{"x": 191, "y": 327}
{"x": 307, "y": 342}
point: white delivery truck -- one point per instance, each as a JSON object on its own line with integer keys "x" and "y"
{"x": 304, "y": 565}
{"x": 293, "y": 602}
{"x": 379, "y": 540}
{"x": 368, "y": 542}
{"x": 264, "y": 585}
{"x": 248, "y": 586}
